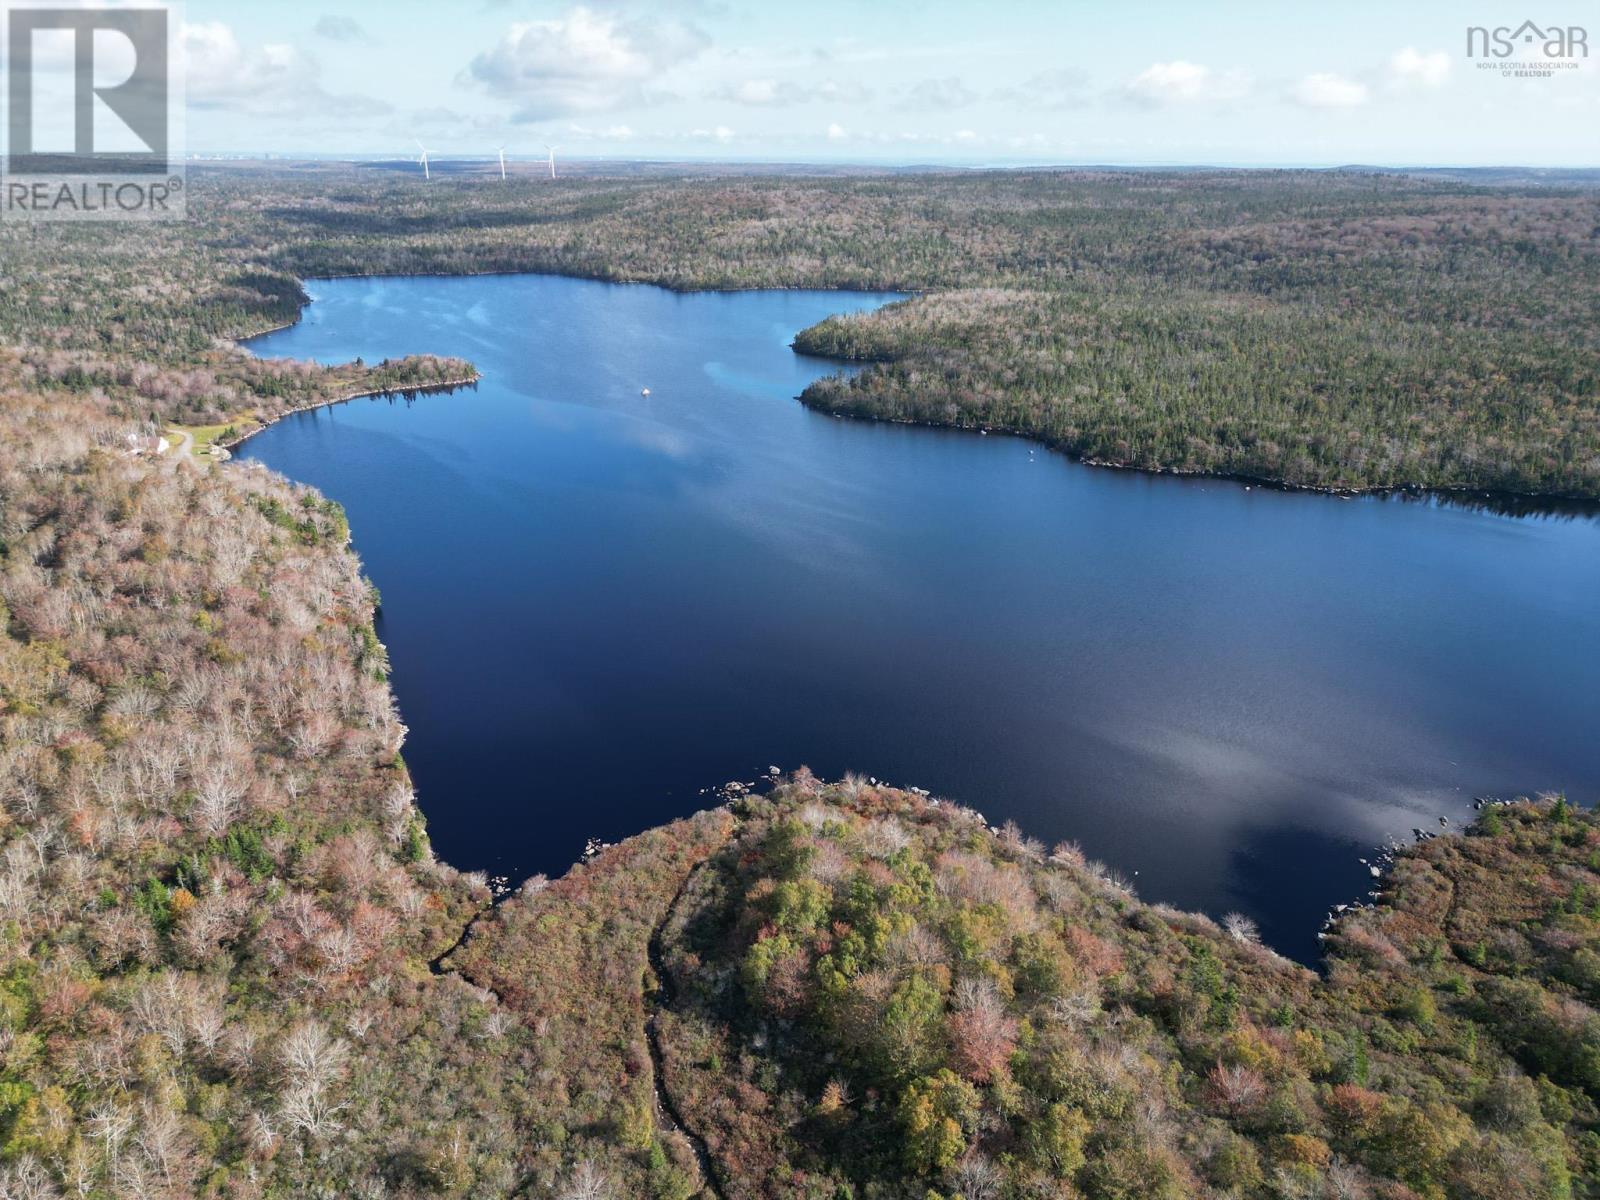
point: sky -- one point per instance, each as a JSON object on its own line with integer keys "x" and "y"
{"x": 1005, "y": 81}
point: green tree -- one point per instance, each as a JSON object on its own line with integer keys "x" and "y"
{"x": 1055, "y": 1140}
{"x": 937, "y": 1114}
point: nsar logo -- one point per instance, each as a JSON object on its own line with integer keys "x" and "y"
{"x": 1528, "y": 51}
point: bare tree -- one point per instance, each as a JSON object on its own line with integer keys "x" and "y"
{"x": 312, "y": 1058}
{"x": 339, "y": 949}
{"x": 587, "y": 1182}
{"x": 1345, "y": 1183}
{"x": 884, "y": 837}
{"x": 259, "y": 1134}
{"x": 27, "y": 1179}
{"x": 977, "y": 1178}
{"x": 207, "y": 1020}
{"x": 217, "y": 801}
{"x": 110, "y": 1124}
{"x": 314, "y": 735}
{"x": 497, "y": 1024}
{"x": 160, "y": 1007}
{"x": 307, "y": 1108}
{"x": 1077, "y": 1009}
{"x": 310, "y": 1052}
{"x": 162, "y": 1140}
{"x": 1238, "y": 1089}
{"x": 1241, "y": 928}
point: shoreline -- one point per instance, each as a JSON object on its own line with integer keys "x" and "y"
{"x": 1503, "y": 499}
{"x": 1552, "y": 502}
{"x": 904, "y": 293}
{"x": 443, "y": 385}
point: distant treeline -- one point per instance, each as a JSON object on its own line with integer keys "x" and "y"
{"x": 1323, "y": 329}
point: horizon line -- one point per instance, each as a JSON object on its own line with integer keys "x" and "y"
{"x": 991, "y": 163}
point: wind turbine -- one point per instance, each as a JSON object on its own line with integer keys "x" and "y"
{"x": 426, "y": 174}
{"x": 502, "y": 164}
{"x": 552, "y": 150}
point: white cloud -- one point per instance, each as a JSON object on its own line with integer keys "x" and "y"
{"x": 836, "y": 132}
{"x": 1181, "y": 82}
{"x": 273, "y": 80}
{"x": 938, "y": 95}
{"x": 1327, "y": 90}
{"x": 1410, "y": 68}
{"x": 219, "y": 71}
{"x": 721, "y": 134}
{"x": 584, "y": 62}
{"x": 775, "y": 93}
{"x": 848, "y": 93}
{"x": 764, "y": 93}
{"x": 1064, "y": 88}
{"x": 340, "y": 29}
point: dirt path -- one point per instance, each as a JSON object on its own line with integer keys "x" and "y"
{"x": 667, "y": 1108}
{"x": 436, "y": 964}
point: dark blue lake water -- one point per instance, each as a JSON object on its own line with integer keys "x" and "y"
{"x": 600, "y": 603}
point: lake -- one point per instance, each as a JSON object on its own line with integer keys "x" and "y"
{"x": 600, "y": 603}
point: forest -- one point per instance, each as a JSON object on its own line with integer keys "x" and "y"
{"x": 874, "y": 995}
{"x": 1330, "y": 330}
{"x": 231, "y": 966}
{"x": 1338, "y": 330}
